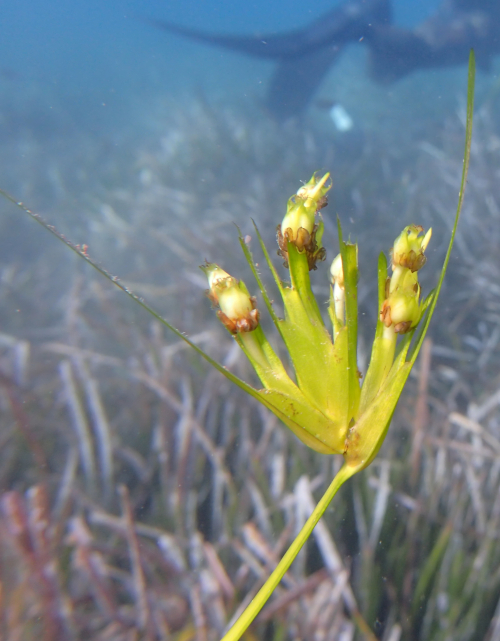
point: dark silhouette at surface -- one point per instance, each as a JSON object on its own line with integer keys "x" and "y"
{"x": 305, "y": 55}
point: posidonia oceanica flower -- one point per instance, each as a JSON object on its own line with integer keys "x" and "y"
{"x": 329, "y": 405}
{"x": 326, "y": 400}
{"x": 401, "y": 309}
{"x": 238, "y": 310}
{"x": 300, "y": 226}
{"x": 409, "y": 247}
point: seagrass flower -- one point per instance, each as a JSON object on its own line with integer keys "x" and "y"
{"x": 300, "y": 226}
{"x": 324, "y": 403}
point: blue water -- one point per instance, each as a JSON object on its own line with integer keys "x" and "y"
{"x": 101, "y": 65}
{"x": 106, "y": 129}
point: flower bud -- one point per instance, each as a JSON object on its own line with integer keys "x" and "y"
{"x": 409, "y": 247}
{"x": 299, "y": 226}
{"x": 337, "y": 272}
{"x": 338, "y": 291}
{"x": 401, "y": 309}
{"x": 314, "y": 192}
{"x": 301, "y": 209}
{"x": 237, "y": 310}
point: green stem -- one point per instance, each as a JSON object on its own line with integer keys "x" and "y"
{"x": 260, "y": 599}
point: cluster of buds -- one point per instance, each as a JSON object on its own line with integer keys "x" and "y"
{"x": 324, "y": 403}
{"x": 237, "y": 309}
{"x": 401, "y": 309}
{"x": 299, "y": 226}
{"x": 327, "y": 404}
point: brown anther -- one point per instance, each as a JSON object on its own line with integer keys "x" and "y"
{"x": 322, "y": 203}
{"x": 385, "y": 314}
{"x": 240, "y": 325}
{"x": 402, "y": 328}
{"x": 412, "y": 260}
{"x": 304, "y": 241}
{"x": 227, "y": 322}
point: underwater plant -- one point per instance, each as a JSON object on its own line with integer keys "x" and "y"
{"x": 325, "y": 406}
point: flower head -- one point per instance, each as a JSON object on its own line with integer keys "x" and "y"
{"x": 237, "y": 309}
{"x": 401, "y": 309}
{"x": 299, "y": 226}
{"x": 409, "y": 247}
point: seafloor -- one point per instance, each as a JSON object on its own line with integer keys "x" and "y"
{"x": 142, "y": 497}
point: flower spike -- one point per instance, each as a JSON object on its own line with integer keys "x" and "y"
{"x": 409, "y": 248}
{"x": 238, "y": 311}
{"x": 299, "y": 226}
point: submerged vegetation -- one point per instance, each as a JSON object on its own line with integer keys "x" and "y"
{"x": 150, "y": 499}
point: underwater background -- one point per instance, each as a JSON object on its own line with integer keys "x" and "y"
{"x": 141, "y": 497}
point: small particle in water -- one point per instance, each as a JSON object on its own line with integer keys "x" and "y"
{"x": 247, "y": 240}
{"x": 341, "y": 119}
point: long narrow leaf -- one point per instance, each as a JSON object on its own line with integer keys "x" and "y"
{"x": 465, "y": 170}
{"x": 349, "y": 254}
{"x": 248, "y": 255}
{"x": 116, "y": 282}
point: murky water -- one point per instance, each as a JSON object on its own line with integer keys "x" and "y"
{"x": 142, "y": 496}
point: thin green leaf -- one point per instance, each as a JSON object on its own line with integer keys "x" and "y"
{"x": 77, "y": 249}
{"x": 301, "y": 283}
{"x": 260, "y": 283}
{"x": 430, "y": 569}
{"x": 419, "y": 332}
{"x": 265, "y": 361}
{"x": 269, "y": 262}
{"x": 382, "y": 354}
{"x": 465, "y": 169}
{"x": 381, "y": 280}
{"x": 349, "y": 254}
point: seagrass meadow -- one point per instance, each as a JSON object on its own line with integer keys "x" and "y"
{"x": 142, "y": 497}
